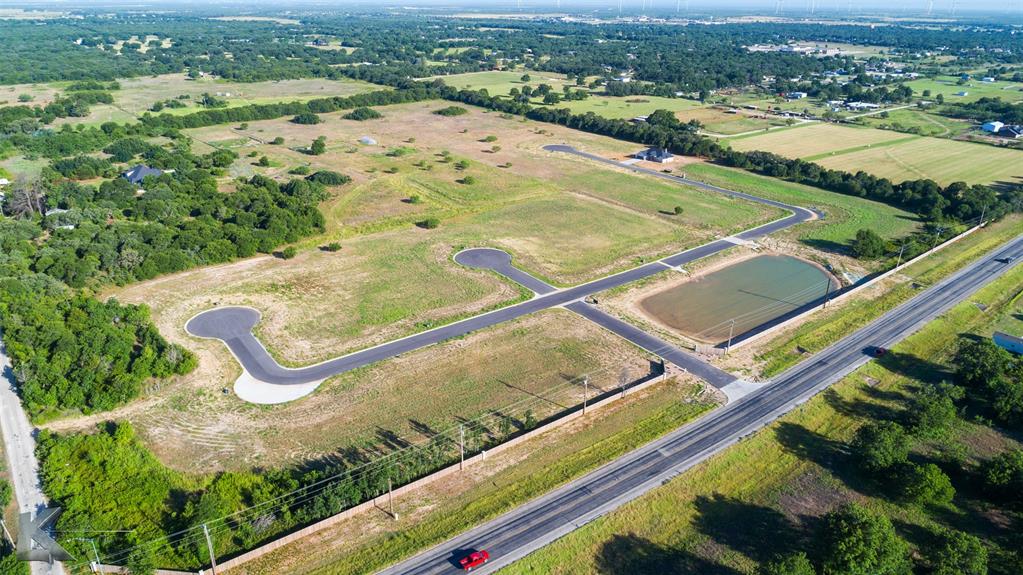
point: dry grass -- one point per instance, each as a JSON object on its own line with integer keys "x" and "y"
{"x": 813, "y": 140}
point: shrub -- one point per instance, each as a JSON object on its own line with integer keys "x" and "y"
{"x": 882, "y": 445}
{"x": 451, "y": 111}
{"x": 318, "y": 146}
{"x": 264, "y": 162}
{"x": 329, "y": 178}
{"x": 429, "y": 223}
{"x": 289, "y": 252}
{"x": 468, "y": 180}
{"x": 299, "y": 170}
{"x": 362, "y": 114}
{"x": 868, "y": 245}
{"x": 414, "y": 199}
{"x": 306, "y": 119}
{"x": 332, "y": 247}
{"x": 959, "y": 553}
{"x": 792, "y": 564}
{"x": 926, "y": 485}
{"x": 856, "y": 541}
{"x": 279, "y": 140}
{"x": 678, "y": 210}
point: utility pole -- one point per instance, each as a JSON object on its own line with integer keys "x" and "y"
{"x": 390, "y": 499}
{"x": 982, "y": 212}
{"x": 827, "y": 293}
{"x": 731, "y": 330}
{"x": 461, "y": 447}
{"x": 95, "y": 553}
{"x": 901, "y": 249}
{"x": 7, "y": 533}
{"x": 209, "y": 545}
{"x": 586, "y": 391}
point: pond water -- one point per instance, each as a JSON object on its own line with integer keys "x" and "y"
{"x": 750, "y": 293}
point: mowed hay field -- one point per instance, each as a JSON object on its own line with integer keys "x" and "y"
{"x": 891, "y": 154}
{"x": 527, "y": 365}
{"x": 944, "y": 161}
{"x": 803, "y": 141}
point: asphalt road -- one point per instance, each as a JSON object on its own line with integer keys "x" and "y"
{"x": 20, "y": 448}
{"x": 233, "y": 325}
{"x": 545, "y": 519}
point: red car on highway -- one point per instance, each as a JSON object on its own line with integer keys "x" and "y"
{"x": 474, "y": 560}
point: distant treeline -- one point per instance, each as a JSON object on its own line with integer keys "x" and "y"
{"x": 986, "y": 110}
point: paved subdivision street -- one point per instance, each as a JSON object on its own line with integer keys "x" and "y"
{"x": 233, "y": 325}
{"x": 545, "y": 519}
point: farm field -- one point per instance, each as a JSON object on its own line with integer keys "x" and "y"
{"x": 944, "y": 161}
{"x": 813, "y": 140}
{"x": 137, "y": 95}
{"x": 923, "y": 123}
{"x": 891, "y": 154}
{"x": 949, "y": 87}
{"x": 718, "y": 122}
{"x": 625, "y": 107}
{"x": 763, "y": 496}
{"x": 498, "y": 82}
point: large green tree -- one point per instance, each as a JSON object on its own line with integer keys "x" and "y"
{"x": 857, "y": 541}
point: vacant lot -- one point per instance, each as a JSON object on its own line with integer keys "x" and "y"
{"x": 891, "y": 154}
{"x": 529, "y": 365}
{"x": 489, "y": 181}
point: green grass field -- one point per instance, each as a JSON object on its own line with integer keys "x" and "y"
{"x": 500, "y": 83}
{"x": 976, "y": 89}
{"x": 920, "y": 122}
{"x": 627, "y": 106}
{"x": 891, "y": 154}
{"x": 761, "y": 497}
{"x": 845, "y": 214}
{"x": 944, "y": 161}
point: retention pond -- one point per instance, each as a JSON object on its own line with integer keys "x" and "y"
{"x": 739, "y": 298}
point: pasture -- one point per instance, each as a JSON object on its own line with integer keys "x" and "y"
{"x": 137, "y": 95}
{"x": 626, "y": 107}
{"x": 976, "y": 89}
{"x": 891, "y": 154}
{"x": 500, "y": 83}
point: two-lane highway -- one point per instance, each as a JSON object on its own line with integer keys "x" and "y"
{"x": 545, "y": 519}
